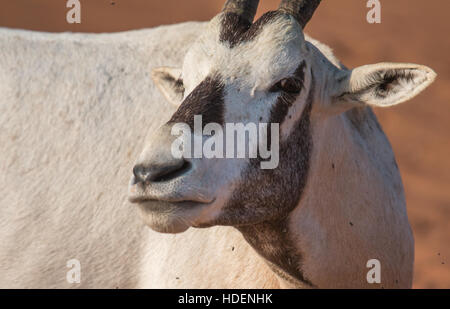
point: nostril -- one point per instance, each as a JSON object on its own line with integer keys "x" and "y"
{"x": 160, "y": 173}
{"x": 141, "y": 174}
{"x": 172, "y": 172}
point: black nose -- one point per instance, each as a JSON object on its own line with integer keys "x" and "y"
{"x": 160, "y": 172}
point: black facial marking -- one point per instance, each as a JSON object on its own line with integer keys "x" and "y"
{"x": 232, "y": 28}
{"x": 271, "y": 240}
{"x": 267, "y": 197}
{"x": 207, "y": 99}
{"x": 235, "y": 30}
{"x": 285, "y": 100}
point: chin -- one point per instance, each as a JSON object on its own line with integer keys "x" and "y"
{"x": 173, "y": 218}
{"x": 162, "y": 221}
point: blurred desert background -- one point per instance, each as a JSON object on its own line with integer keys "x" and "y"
{"x": 414, "y": 31}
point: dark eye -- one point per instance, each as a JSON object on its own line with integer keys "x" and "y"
{"x": 288, "y": 85}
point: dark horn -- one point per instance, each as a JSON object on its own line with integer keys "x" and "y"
{"x": 244, "y": 8}
{"x": 302, "y": 10}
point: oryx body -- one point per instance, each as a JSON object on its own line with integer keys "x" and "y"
{"x": 75, "y": 112}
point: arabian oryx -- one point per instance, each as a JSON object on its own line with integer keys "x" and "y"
{"x": 75, "y": 110}
{"x": 335, "y": 201}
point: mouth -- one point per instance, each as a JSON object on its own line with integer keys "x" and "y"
{"x": 150, "y": 203}
{"x": 166, "y": 193}
{"x": 180, "y": 201}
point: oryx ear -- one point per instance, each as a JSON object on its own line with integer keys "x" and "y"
{"x": 169, "y": 82}
{"x": 382, "y": 84}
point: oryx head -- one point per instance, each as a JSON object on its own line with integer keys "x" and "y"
{"x": 241, "y": 72}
